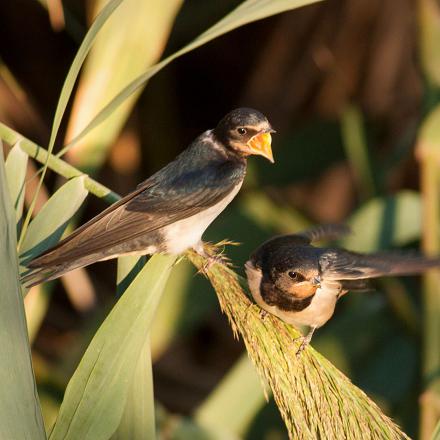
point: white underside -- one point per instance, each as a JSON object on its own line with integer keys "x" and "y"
{"x": 316, "y": 314}
{"x": 187, "y": 233}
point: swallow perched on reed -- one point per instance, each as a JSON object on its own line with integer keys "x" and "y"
{"x": 170, "y": 211}
{"x": 300, "y": 283}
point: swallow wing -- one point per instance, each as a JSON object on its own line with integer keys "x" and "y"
{"x": 161, "y": 200}
{"x": 326, "y": 232}
{"x": 338, "y": 264}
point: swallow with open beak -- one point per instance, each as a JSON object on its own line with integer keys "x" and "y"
{"x": 300, "y": 283}
{"x": 170, "y": 211}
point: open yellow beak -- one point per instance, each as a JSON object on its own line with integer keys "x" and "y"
{"x": 261, "y": 144}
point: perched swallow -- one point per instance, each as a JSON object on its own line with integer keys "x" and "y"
{"x": 171, "y": 210}
{"x": 300, "y": 283}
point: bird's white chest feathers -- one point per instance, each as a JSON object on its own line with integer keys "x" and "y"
{"x": 188, "y": 232}
{"x": 316, "y": 314}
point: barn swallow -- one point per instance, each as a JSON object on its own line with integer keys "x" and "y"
{"x": 300, "y": 283}
{"x": 171, "y": 210}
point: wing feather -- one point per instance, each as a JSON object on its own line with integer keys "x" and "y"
{"x": 174, "y": 193}
{"x": 338, "y": 264}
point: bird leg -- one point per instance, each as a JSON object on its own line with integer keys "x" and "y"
{"x": 263, "y": 314}
{"x": 210, "y": 260}
{"x": 305, "y": 340}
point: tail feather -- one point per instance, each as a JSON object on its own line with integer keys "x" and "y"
{"x": 40, "y": 272}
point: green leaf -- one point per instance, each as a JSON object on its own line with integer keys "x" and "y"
{"x": 96, "y": 395}
{"x": 138, "y": 422}
{"x": 66, "y": 92}
{"x": 356, "y": 149}
{"x": 77, "y": 63}
{"x": 20, "y": 413}
{"x": 224, "y": 412}
{"x": 384, "y": 222}
{"x": 124, "y": 55}
{"x": 48, "y": 226}
{"x": 15, "y": 166}
{"x": 429, "y": 38}
{"x": 246, "y": 12}
{"x": 138, "y": 419}
{"x": 436, "y": 433}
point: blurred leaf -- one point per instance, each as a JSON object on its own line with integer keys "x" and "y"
{"x": 15, "y": 166}
{"x": 428, "y": 148}
{"x": 436, "y": 433}
{"x": 224, "y": 412}
{"x": 77, "y": 63}
{"x": 266, "y": 213}
{"x": 356, "y": 148}
{"x": 49, "y": 224}
{"x": 429, "y": 38}
{"x": 96, "y": 395}
{"x": 132, "y": 40}
{"x": 66, "y": 91}
{"x": 138, "y": 419}
{"x": 385, "y": 222}
{"x": 20, "y": 412}
{"x": 246, "y": 12}
{"x": 36, "y": 305}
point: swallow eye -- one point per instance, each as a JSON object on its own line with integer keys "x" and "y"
{"x": 293, "y": 275}
{"x": 241, "y": 131}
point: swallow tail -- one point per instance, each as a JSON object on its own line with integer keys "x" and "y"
{"x": 44, "y": 268}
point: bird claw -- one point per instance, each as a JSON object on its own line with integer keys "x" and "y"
{"x": 302, "y": 345}
{"x": 305, "y": 341}
{"x": 263, "y": 314}
{"x": 210, "y": 261}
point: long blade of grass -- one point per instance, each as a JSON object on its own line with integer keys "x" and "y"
{"x": 66, "y": 92}
{"x": 20, "y": 412}
{"x": 15, "y": 166}
{"x": 61, "y": 167}
{"x": 132, "y": 40}
{"x": 247, "y": 12}
{"x": 96, "y": 395}
{"x": 138, "y": 420}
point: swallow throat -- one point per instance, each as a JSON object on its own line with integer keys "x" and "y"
{"x": 282, "y": 300}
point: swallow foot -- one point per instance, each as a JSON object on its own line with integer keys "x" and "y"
{"x": 263, "y": 314}
{"x": 210, "y": 260}
{"x": 305, "y": 341}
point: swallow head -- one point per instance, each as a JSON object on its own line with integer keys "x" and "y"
{"x": 295, "y": 272}
{"x": 247, "y": 132}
